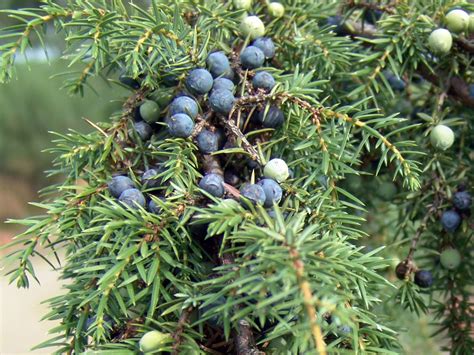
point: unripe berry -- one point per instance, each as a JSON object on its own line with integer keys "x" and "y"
{"x": 242, "y": 4}
{"x": 457, "y": 21}
{"x": 450, "y": 258}
{"x": 442, "y": 137}
{"x": 153, "y": 340}
{"x": 440, "y": 41}
{"x": 275, "y": 9}
{"x": 471, "y": 23}
{"x": 386, "y": 190}
{"x": 150, "y": 111}
{"x": 252, "y": 27}
{"x": 276, "y": 169}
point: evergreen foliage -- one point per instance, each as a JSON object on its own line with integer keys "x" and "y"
{"x": 211, "y": 275}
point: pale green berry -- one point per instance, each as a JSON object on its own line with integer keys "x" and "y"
{"x": 242, "y": 4}
{"x": 252, "y": 26}
{"x": 457, "y": 21}
{"x": 153, "y": 340}
{"x": 276, "y": 169}
{"x": 275, "y": 9}
{"x": 442, "y": 137}
{"x": 471, "y": 23}
{"x": 440, "y": 41}
{"x": 450, "y": 258}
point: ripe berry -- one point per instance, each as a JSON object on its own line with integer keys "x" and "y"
{"x": 213, "y": 184}
{"x": 254, "y": 193}
{"x": 423, "y": 278}
{"x": 252, "y": 26}
{"x": 276, "y": 169}
{"x": 129, "y": 81}
{"x": 271, "y": 117}
{"x": 132, "y": 198}
{"x": 218, "y": 64}
{"x": 223, "y": 84}
{"x": 462, "y": 200}
{"x": 150, "y": 179}
{"x": 395, "y": 82}
{"x": 242, "y": 4}
{"x": 252, "y": 57}
{"x": 337, "y": 22}
{"x": 272, "y": 191}
{"x": 402, "y": 269}
{"x": 457, "y": 21}
{"x": 180, "y": 125}
{"x": 450, "y": 258}
{"x": 221, "y": 101}
{"x": 344, "y": 330}
{"x": 266, "y": 45}
{"x": 440, "y": 41}
{"x": 450, "y": 220}
{"x": 143, "y": 130}
{"x": 184, "y": 104}
{"x": 442, "y": 137}
{"x": 263, "y": 80}
{"x": 372, "y": 16}
{"x": 119, "y": 184}
{"x": 275, "y": 9}
{"x": 199, "y": 81}
{"x": 150, "y": 111}
{"x": 153, "y": 340}
{"x": 207, "y": 141}
{"x": 153, "y": 207}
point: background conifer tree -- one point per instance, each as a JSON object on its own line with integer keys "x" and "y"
{"x": 189, "y": 251}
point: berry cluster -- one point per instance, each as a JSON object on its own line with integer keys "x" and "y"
{"x": 450, "y": 257}
{"x": 208, "y": 99}
{"x": 457, "y": 21}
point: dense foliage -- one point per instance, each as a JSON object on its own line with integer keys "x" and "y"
{"x": 376, "y": 125}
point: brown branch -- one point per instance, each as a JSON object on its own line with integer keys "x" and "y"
{"x": 456, "y": 87}
{"x": 231, "y": 126}
{"x": 465, "y": 44}
{"x": 178, "y": 334}
{"x": 244, "y": 340}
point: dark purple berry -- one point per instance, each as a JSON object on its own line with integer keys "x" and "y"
{"x": 252, "y": 57}
{"x": 119, "y": 184}
{"x": 184, "y": 104}
{"x": 272, "y": 191}
{"x": 254, "y": 193}
{"x": 199, "y": 81}
{"x": 423, "y": 278}
{"x": 180, "y": 125}
{"x": 271, "y": 117}
{"x": 222, "y": 101}
{"x": 132, "y": 198}
{"x": 266, "y": 45}
{"x": 263, "y": 80}
{"x": 213, "y": 184}
{"x": 462, "y": 200}
{"x": 450, "y": 220}
{"x": 218, "y": 64}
